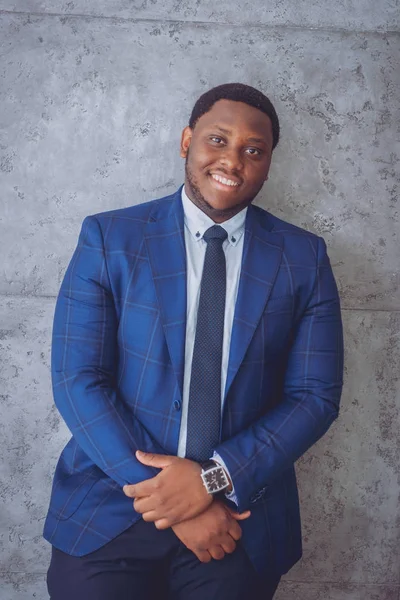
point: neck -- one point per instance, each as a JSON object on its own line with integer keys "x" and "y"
{"x": 217, "y": 215}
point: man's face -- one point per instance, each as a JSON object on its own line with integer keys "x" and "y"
{"x": 228, "y": 155}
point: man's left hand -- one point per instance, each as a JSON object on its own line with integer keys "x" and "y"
{"x": 176, "y": 494}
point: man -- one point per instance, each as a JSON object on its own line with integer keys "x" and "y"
{"x": 197, "y": 353}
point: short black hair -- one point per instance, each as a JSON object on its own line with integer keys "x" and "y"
{"x": 239, "y": 92}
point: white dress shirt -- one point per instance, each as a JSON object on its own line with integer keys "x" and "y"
{"x": 196, "y": 223}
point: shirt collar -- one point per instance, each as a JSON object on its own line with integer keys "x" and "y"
{"x": 197, "y": 222}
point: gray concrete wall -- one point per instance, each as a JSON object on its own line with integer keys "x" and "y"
{"x": 93, "y": 96}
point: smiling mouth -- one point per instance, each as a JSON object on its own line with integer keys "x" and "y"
{"x": 224, "y": 181}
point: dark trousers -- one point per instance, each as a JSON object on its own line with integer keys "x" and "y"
{"x": 144, "y": 563}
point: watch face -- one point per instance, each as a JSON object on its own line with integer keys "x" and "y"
{"x": 216, "y": 480}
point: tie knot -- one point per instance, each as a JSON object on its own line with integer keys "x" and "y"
{"x": 215, "y": 233}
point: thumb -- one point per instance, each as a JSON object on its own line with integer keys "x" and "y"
{"x": 154, "y": 460}
{"x": 239, "y": 516}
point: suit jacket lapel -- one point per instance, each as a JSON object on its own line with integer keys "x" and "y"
{"x": 262, "y": 253}
{"x": 165, "y": 243}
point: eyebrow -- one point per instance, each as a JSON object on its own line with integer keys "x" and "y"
{"x": 250, "y": 139}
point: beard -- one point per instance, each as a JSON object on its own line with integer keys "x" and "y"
{"x": 216, "y": 214}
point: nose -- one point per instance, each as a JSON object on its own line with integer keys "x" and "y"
{"x": 231, "y": 159}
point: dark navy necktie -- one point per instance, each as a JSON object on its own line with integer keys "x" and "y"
{"x": 204, "y": 412}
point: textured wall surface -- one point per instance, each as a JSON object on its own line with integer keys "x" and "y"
{"x": 93, "y": 96}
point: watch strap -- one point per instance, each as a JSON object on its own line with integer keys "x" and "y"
{"x": 209, "y": 464}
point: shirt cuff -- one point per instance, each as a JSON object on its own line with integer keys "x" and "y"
{"x": 229, "y": 495}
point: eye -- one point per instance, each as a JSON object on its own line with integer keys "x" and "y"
{"x": 215, "y": 138}
{"x": 254, "y": 151}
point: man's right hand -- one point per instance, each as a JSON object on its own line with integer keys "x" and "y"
{"x": 213, "y": 533}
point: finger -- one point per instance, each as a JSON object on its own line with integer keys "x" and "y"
{"x": 217, "y": 552}
{"x": 203, "y": 555}
{"x": 129, "y": 490}
{"x": 142, "y": 505}
{"x": 162, "y": 523}
{"x": 154, "y": 460}
{"x": 142, "y": 489}
{"x": 150, "y": 516}
{"x": 240, "y": 516}
{"x": 235, "y": 531}
{"x": 228, "y": 545}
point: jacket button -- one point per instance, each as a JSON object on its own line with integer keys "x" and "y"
{"x": 177, "y": 405}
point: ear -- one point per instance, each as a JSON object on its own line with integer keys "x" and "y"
{"x": 186, "y": 138}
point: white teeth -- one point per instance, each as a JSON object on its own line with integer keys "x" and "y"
{"x": 224, "y": 181}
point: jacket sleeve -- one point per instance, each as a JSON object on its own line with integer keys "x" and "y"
{"x": 84, "y": 361}
{"x": 311, "y": 395}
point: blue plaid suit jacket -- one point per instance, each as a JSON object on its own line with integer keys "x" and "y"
{"x": 117, "y": 369}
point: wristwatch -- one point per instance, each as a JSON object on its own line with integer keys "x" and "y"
{"x": 214, "y": 477}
